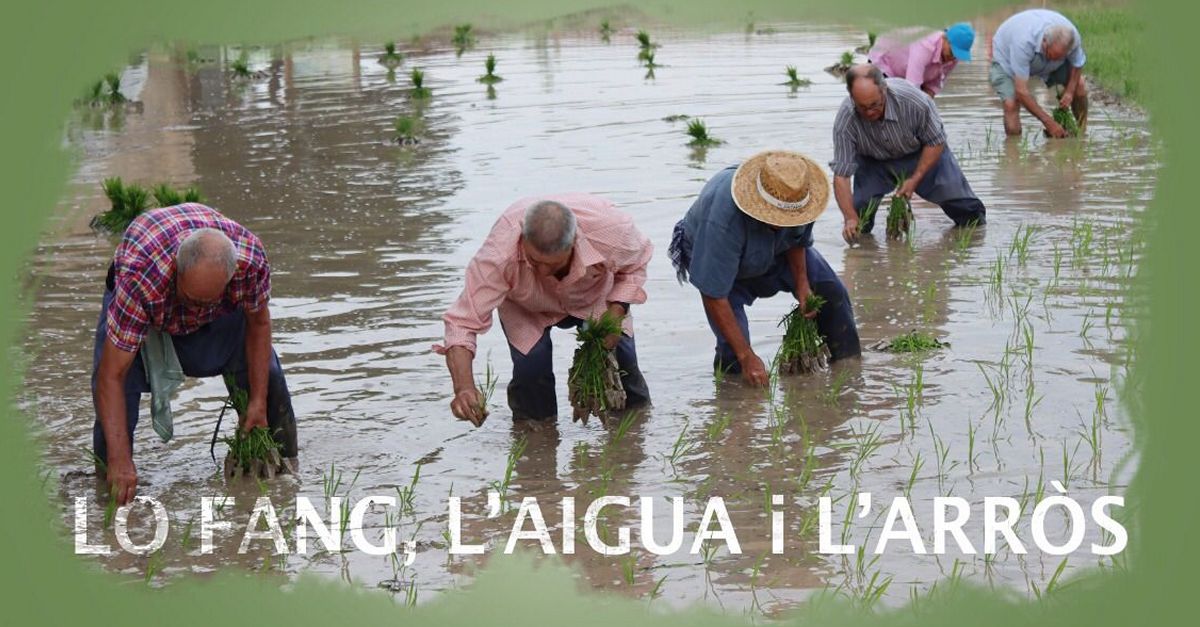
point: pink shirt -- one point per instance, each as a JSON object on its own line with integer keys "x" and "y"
{"x": 609, "y": 265}
{"x": 920, "y": 61}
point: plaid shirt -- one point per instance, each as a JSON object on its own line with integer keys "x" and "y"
{"x": 608, "y": 265}
{"x": 144, "y": 292}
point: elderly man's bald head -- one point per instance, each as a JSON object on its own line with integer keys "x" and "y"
{"x": 204, "y": 264}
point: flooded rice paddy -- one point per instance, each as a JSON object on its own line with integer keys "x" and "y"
{"x": 368, "y": 240}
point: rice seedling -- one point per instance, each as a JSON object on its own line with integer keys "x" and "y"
{"x": 871, "y": 37}
{"x": 1066, "y": 119}
{"x": 629, "y": 568}
{"x": 463, "y": 37}
{"x": 408, "y": 130}
{"x": 606, "y": 31}
{"x": 114, "y": 88}
{"x": 167, "y": 196}
{"x": 803, "y": 349}
{"x": 648, "y": 61}
{"x": 240, "y": 67}
{"x": 918, "y": 463}
{"x": 643, "y": 39}
{"x": 594, "y": 379}
{"x": 487, "y": 388}
{"x": 868, "y": 214}
{"x": 252, "y": 453}
{"x": 717, "y": 427}
{"x": 489, "y": 66}
{"x": 682, "y": 447}
{"x": 842, "y": 65}
{"x": 833, "y": 395}
{"x": 154, "y": 564}
{"x": 900, "y": 218}
{"x": 964, "y": 236}
{"x": 127, "y": 202}
{"x": 514, "y": 454}
{"x": 793, "y": 78}
{"x": 419, "y": 91}
{"x": 912, "y": 342}
{"x": 1020, "y": 243}
{"x": 698, "y": 131}
{"x": 869, "y": 442}
{"x": 406, "y": 494}
{"x": 390, "y": 57}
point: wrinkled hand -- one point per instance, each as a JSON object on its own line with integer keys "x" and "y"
{"x": 754, "y": 372}
{"x": 907, "y": 190}
{"x": 1067, "y": 99}
{"x": 467, "y": 406}
{"x": 850, "y": 230}
{"x": 256, "y": 415}
{"x": 1055, "y": 129}
{"x": 122, "y": 480}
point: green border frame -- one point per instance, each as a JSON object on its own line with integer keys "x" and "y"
{"x": 54, "y": 48}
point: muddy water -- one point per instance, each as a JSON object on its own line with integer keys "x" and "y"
{"x": 368, "y": 241}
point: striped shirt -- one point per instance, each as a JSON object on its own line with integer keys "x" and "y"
{"x": 910, "y": 121}
{"x": 608, "y": 265}
{"x": 144, "y": 294}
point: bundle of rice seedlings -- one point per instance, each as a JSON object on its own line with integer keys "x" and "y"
{"x": 114, "y": 88}
{"x": 251, "y": 453}
{"x": 843, "y": 64}
{"x": 645, "y": 46}
{"x": 463, "y": 38}
{"x": 698, "y": 131}
{"x": 793, "y": 78}
{"x": 127, "y": 202}
{"x": 606, "y": 30}
{"x": 240, "y": 67}
{"x": 390, "y": 57}
{"x": 167, "y": 196}
{"x": 900, "y": 216}
{"x": 871, "y": 37}
{"x": 417, "y": 76}
{"x": 594, "y": 380}
{"x": 489, "y": 66}
{"x": 1066, "y": 119}
{"x": 803, "y": 349}
{"x": 408, "y": 130}
{"x": 911, "y": 342}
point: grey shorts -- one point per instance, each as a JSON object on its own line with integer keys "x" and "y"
{"x": 1003, "y": 83}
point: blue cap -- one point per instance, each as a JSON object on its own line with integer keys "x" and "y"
{"x": 961, "y": 36}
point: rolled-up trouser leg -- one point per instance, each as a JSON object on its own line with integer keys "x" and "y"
{"x": 135, "y": 385}
{"x": 531, "y": 394}
{"x": 218, "y": 348}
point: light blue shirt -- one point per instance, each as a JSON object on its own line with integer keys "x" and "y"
{"x": 1017, "y": 44}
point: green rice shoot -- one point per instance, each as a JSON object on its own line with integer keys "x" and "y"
{"x": 847, "y": 59}
{"x": 128, "y": 201}
{"x": 419, "y": 91}
{"x": 803, "y": 348}
{"x": 793, "y": 78}
{"x": 594, "y": 379}
{"x": 463, "y": 37}
{"x": 114, "y": 88}
{"x": 698, "y": 131}
{"x": 390, "y": 56}
{"x": 900, "y": 218}
{"x": 252, "y": 452}
{"x": 489, "y": 66}
{"x": 408, "y": 129}
{"x": 241, "y": 65}
{"x": 868, "y": 214}
{"x": 1066, "y": 119}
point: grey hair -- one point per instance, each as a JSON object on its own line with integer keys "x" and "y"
{"x": 865, "y": 70}
{"x": 1060, "y": 34}
{"x": 206, "y": 246}
{"x": 549, "y": 227}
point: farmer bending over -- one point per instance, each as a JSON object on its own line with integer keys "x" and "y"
{"x": 748, "y": 236}
{"x": 887, "y": 129}
{"x": 549, "y": 262}
{"x": 1040, "y": 43}
{"x": 925, "y": 61}
{"x": 186, "y": 294}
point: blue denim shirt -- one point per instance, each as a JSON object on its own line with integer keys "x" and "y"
{"x": 728, "y": 245}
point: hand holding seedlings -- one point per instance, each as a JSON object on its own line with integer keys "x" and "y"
{"x": 466, "y": 406}
{"x": 594, "y": 380}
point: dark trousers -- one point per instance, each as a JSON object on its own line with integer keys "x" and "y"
{"x": 531, "y": 393}
{"x": 214, "y": 349}
{"x": 944, "y": 185}
{"x": 835, "y": 319}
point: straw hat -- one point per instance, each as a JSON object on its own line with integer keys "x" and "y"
{"x": 781, "y": 188}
